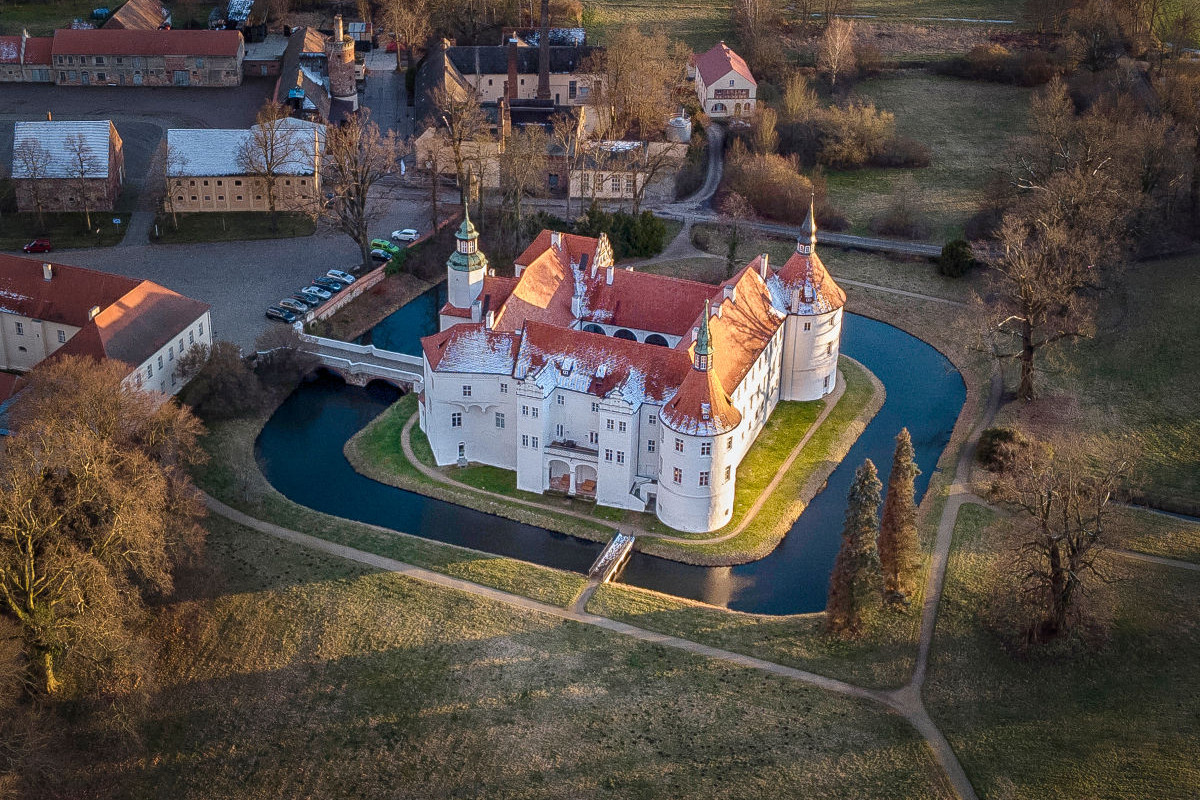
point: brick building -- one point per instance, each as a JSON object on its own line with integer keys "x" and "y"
{"x": 67, "y": 165}
{"x": 123, "y": 57}
{"x": 25, "y": 59}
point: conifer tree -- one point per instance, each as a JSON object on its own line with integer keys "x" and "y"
{"x": 898, "y": 529}
{"x": 856, "y": 571}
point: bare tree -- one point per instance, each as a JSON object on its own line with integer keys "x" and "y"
{"x": 95, "y": 509}
{"x": 766, "y": 137}
{"x": 836, "y": 56}
{"x": 567, "y": 139}
{"x": 407, "y": 22}
{"x": 465, "y": 126}
{"x": 358, "y": 156}
{"x": 1064, "y": 500}
{"x": 83, "y": 168}
{"x": 172, "y": 161}
{"x": 650, "y": 163}
{"x": 639, "y": 75}
{"x": 523, "y": 167}
{"x": 735, "y": 209}
{"x": 799, "y": 100}
{"x": 273, "y": 149}
{"x": 434, "y": 157}
{"x": 31, "y": 165}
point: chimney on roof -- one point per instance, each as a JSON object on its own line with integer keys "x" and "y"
{"x": 47, "y": 271}
{"x": 543, "y": 90}
{"x": 764, "y": 266}
{"x": 476, "y": 311}
{"x": 511, "y": 89}
{"x": 338, "y": 32}
{"x": 555, "y": 239}
{"x": 93, "y": 312}
{"x": 489, "y": 320}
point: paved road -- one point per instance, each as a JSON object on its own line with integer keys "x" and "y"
{"x": 385, "y": 95}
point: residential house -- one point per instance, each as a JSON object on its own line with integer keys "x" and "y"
{"x": 618, "y": 170}
{"x": 205, "y": 172}
{"x": 25, "y": 58}
{"x": 125, "y": 57}
{"x": 51, "y": 310}
{"x": 724, "y": 84}
{"x": 67, "y": 165}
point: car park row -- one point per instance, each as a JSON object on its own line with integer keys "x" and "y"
{"x": 322, "y": 288}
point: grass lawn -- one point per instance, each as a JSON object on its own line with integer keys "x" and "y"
{"x": 66, "y": 230}
{"x": 232, "y": 476}
{"x": 1156, "y": 534}
{"x": 231, "y": 226}
{"x": 1136, "y": 378}
{"x": 286, "y": 673}
{"x": 42, "y": 17}
{"x": 966, "y": 125}
{"x": 1119, "y": 721}
{"x": 911, "y": 275}
{"x": 376, "y": 452}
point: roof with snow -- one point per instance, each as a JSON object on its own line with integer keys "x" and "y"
{"x": 59, "y": 139}
{"x": 718, "y": 62}
{"x": 214, "y": 151}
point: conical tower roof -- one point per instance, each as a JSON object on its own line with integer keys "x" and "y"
{"x": 701, "y": 406}
{"x": 803, "y": 285}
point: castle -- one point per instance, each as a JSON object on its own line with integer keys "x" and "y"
{"x": 633, "y": 389}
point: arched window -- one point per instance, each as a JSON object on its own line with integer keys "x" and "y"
{"x": 592, "y": 328}
{"x": 625, "y": 334}
{"x": 657, "y": 339}
{"x": 719, "y": 108}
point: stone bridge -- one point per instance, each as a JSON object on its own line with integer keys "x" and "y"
{"x": 360, "y": 364}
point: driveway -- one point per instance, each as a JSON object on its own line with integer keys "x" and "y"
{"x": 385, "y": 95}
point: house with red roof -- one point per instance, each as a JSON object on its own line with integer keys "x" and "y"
{"x": 634, "y": 390}
{"x": 724, "y": 84}
{"x": 25, "y": 59}
{"x": 50, "y": 310}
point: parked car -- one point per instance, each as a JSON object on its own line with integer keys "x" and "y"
{"x": 406, "y": 235}
{"x": 275, "y": 312}
{"x": 342, "y": 277}
{"x": 386, "y": 246}
{"x": 317, "y": 291}
{"x": 293, "y": 305}
{"x": 380, "y": 255}
{"x": 308, "y": 300}
{"x": 38, "y": 246}
{"x": 329, "y": 283}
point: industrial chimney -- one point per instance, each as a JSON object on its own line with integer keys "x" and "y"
{"x": 543, "y": 90}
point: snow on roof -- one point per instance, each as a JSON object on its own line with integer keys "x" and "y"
{"x": 10, "y": 49}
{"x": 56, "y": 138}
{"x": 804, "y": 286}
{"x": 470, "y": 347}
{"x": 214, "y": 151}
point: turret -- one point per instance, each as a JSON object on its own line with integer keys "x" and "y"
{"x": 806, "y": 243}
{"x": 340, "y": 58}
{"x": 466, "y": 266}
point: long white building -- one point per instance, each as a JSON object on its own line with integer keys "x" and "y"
{"x": 636, "y": 390}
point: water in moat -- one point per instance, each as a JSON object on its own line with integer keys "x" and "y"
{"x": 300, "y": 450}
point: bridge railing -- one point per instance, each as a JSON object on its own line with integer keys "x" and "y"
{"x": 369, "y": 350}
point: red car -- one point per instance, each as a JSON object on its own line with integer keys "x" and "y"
{"x": 38, "y": 246}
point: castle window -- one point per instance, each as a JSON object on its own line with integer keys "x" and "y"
{"x": 524, "y": 441}
{"x": 704, "y": 478}
{"x": 160, "y": 362}
{"x": 20, "y": 329}
{"x": 620, "y": 456}
{"x": 679, "y": 445}
{"x": 239, "y": 197}
{"x": 562, "y": 401}
{"x": 585, "y": 183}
{"x": 593, "y": 437}
{"x": 499, "y": 419}
{"x": 200, "y": 329}
{"x": 558, "y": 431}
{"x": 808, "y": 326}
{"x": 608, "y": 423}
{"x": 220, "y": 183}
{"x": 650, "y": 444}
{"x": 728, "y": 472}
{"x": 826, "y": 381}
{"x": 149, "y": 370}
{"x": 171, "y": 353}
{"x": 678, "y": 475}
{"x": 653, "y": 419}
{"x": 595, "y": 407}
{"x": 729, "y": 443}
{"x": 706, "y": 448}
{"x": 504, "y": 388}
{"x": 629, "y": 184}
{"x": 534, "y": 440}
{"x": 533, "y": 412}
{"x": 621, "y": 427}
{"x": 237, "y": 183}
{"x": 524, "y": 411}
{"x": 616, "y": 183}
{"x": 62, "y": 338}
{"x": 608, "y": 455}
{"x": 829, "y": 349}
{"x": 456, "y": 419}
{"x": 466, "y": 390}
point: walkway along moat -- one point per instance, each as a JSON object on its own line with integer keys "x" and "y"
{"x": 300, "y": 451}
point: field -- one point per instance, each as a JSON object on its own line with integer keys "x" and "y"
{"x": 285, "y": 673}
{"x": 966, "y": 125}
{"x": 231, "y": 226}
{"x": 64, "y": 230}
{"x": 1117, "y": 721}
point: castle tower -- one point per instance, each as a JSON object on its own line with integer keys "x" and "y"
{"x": 696, "y": 483}
{"x": 341, "y": 66}
{"x": 465, "y": 268}
{"x": 804, "y": 290}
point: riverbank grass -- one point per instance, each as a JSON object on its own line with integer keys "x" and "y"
{"x": 283, "y": 672}
{"x": 376, "y": 451}
{"x": 1114, "y": 718}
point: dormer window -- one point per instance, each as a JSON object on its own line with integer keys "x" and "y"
{"x": 705, "y": 411}
{"x": 701, "y": 361}
{"x": 808, "y": 293}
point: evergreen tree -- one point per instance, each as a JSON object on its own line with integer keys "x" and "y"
{"x": 856, "y": 571}
{"x": 898, "y": 530}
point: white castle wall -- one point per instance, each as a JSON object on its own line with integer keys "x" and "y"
{"x": 810, "y": 356}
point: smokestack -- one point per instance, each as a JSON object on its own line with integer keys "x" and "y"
{"x": 338, "y": 33}
{"x": 543, "y": 91}
{"x": 512, "y": 68}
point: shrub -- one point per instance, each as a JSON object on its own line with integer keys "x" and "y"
{"x": 956, "y": 259}
{"x": 224, "y": 387}
{"x": 998, "y": 446}
{"x": 641, "y": 236}
{"x": 901, "y": 151}
{"x": 771, "y": 183}
{"x": 701, "y": 238}
{"x": 904, "y": 217}
{"x": 853, "y": 135}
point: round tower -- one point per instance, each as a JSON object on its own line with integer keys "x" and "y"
{"x": 341, "y": 66}
{"x": 696, "y": 481}
{"x": 813, "y": 302}
{"x": 466, "y": 267}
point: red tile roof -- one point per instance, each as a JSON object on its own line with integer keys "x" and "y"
{"x": 66, "y": 298}
{"x": 804, "y": 286}
{"x": 701, "y": 406}
{"x": 469, "y": 347}
{"x": 719, "y": 61}
{"x": 119, "y": 42}
{"x": 37, "y": 50}
{"x": 9, "y": 385}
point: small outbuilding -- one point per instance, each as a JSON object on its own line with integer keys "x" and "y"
{"x": 67, "y": 165}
